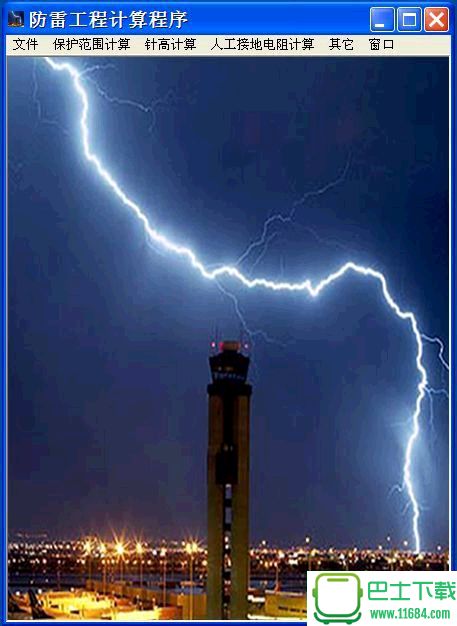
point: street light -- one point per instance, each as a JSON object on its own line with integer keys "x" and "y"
{"x": 280, "y": 556}
{"x": 87, "y": 552}
{"x": 163, "y": 554}
{"x": 390, "y": 549}
{"x": 139, "y": 550}
{"x": 191, "y": 549}
{"x": 308, "y": 541}
{"x": 120, "y": 551}
{"x": 103, "y": 557}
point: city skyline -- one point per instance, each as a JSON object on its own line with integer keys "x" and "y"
{"x": 131, "y": 539}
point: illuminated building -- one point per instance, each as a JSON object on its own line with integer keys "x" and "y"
{"x": 228, "y": 484}
{"x": 291, "y": 605}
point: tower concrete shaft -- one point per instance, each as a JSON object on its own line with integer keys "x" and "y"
{"x": 228, "y": 485}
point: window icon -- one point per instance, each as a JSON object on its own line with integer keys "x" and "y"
{"x": 436, "y": 19}
{"x": 337, "y": 597}
{"x": 16, "y": 19}
{"x": 409, "y": 19}
{"x": 382, "y": 19}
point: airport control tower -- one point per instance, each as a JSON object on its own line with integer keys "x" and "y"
{"x": 228, "y": 484}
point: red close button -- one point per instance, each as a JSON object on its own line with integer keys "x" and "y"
{"x": 436, "y": 19}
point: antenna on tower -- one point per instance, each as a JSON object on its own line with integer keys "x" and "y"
{"x": 244, "y": 343}
{"x": 215, "y": 340}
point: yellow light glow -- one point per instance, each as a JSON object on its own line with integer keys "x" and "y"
{"x": 191, "y": 547}
{"x": 120, "y": 549}
{"x": 139, "y": 548}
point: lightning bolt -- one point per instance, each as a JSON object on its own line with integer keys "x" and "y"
{"x": 432, "y": 392}
{"x": 441, "y": 352}
{"x": 150, "y": 109}
{"x": 250, "y": 332}
{"x": 437, "y": 392}
{"x": 37, "y": 102}
{"x": 281, "y": 218}
{"x": 313, "y": 289}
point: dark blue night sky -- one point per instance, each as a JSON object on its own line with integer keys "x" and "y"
{"x": 109, "y": 337}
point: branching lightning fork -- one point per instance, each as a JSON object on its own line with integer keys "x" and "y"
{"x": 438, "y": 341}
{"x": 313, "y": 289}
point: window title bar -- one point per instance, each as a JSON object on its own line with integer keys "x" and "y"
{"x": 205, "y": 18}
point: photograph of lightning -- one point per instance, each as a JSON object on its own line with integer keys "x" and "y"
{"x": 288, "y": 220}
